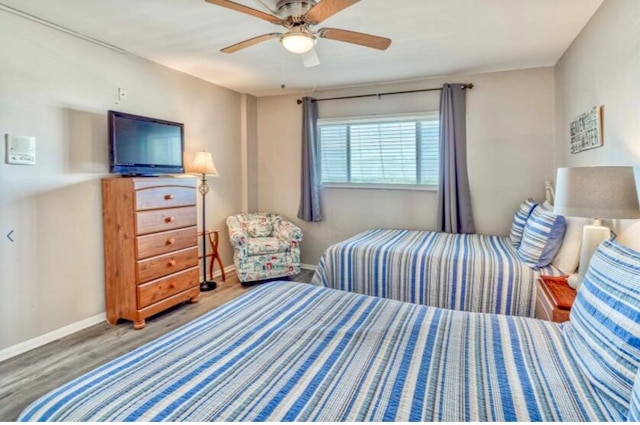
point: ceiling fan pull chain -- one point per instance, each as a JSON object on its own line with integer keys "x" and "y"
{"x": 282, "y": 59}
{"x": 315, "y": 81}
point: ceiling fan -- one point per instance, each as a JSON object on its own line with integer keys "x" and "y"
{"x": 298, "y": 16}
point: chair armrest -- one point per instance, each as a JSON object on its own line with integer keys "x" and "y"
{"x": 286, "y": 230}
{"x": 237, "y": 236}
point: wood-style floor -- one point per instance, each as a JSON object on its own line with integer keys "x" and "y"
{"x": 26, "y": 377}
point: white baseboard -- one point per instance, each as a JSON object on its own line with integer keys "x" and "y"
{"x": 309, "y": 266}
{"x": 41, "y": 340}
{"x": 228, "y": 269}
{"x": 217, "y": 274}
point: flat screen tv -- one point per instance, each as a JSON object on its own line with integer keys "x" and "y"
{"x": 143, "y": 146}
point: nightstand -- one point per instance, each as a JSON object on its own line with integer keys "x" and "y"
{"x": 554, "y": 298}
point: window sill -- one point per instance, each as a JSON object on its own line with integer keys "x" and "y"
{"x": 410, "y": 187}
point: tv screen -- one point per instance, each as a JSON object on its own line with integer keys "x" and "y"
{"x": 144, "y": 146}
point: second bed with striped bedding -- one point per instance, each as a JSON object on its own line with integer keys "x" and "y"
{"x": 468, "y": 272}
{"x": 297, "y": 352}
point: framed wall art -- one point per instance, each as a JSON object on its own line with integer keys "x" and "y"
{"x": 586, "y": 131}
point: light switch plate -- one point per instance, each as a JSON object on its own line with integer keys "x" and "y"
{"x": 21, "y": 150}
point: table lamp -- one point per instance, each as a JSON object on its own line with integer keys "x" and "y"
{"x": 598, "y": 193}
{"x": 203, "y": 164}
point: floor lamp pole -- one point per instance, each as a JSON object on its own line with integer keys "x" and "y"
{"x": 205, "y": 285}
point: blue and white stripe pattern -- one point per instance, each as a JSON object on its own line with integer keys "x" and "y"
{"x": 296, "y": 352}
{"x": 520, "y": 220}
{"x": 542, "y": 237}
{"x": 467, "y": 272}
{"x": 604, "y": 332}
{"x": 634, "y": 407}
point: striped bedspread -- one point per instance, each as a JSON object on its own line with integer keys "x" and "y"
{"x": 462, "y": 272}
{"x": 296, "y": 352}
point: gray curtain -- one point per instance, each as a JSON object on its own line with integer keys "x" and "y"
{"x": 309, "y": 209}
{"x": 454, "y": 196}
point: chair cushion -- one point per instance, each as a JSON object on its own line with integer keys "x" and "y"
{"x": 604, "y": 332}
{"x": 257, "y": 246}
{"x": 541, "y": 238}
{"x": 519, "y": 221}
{"x": 259, "y": 226}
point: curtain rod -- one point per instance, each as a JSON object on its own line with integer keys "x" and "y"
{"x": 464, "y": 86}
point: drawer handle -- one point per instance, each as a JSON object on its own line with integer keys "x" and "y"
{"x": 169, "y": 219}
{"x": 168, "y": 197}
{"x": 171, "y": 241}
{"x": 171, "y": 263}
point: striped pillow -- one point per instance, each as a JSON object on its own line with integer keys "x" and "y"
{"x": 541, "y": 238}
{"x": 519, "y": 221}
{"x": 604, "y": 332}
{"x": 634, "y": 408}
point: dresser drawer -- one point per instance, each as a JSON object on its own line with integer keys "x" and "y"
{"x": 165, "y": 242}
{"x": 157, "y": 290}
{"x": 153, "y": 221}
{"x": 164, "y": 197}
{"x": 162, "y": 265}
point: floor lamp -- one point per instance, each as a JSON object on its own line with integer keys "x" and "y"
{"x": 203, "y": 164}
{"x": 595, "y": 192}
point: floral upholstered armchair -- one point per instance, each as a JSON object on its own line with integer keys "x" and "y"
{"x": 265, "y": 246}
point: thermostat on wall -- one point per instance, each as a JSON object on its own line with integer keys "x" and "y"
{"x": 21, "y": 150}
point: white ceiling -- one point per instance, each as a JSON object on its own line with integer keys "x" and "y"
{"x": 430, "y": 38}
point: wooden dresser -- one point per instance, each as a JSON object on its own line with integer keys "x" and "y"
{"x": 150, "y": 246}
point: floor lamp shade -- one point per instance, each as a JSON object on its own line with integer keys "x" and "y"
{"x": 203, "y": 164}
{"x": 596, "y": 192}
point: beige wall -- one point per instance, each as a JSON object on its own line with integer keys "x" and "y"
{"x": 249, "y": 129}
{"x": 510, "y": 139}
{"x": 602, "y": 67}
{"x": 58, "y": 88}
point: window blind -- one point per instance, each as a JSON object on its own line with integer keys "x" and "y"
{"x": 392, "y": 151}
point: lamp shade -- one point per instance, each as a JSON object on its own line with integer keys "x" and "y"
{"x": 202, "y": 164}
{"x": 597, "y": 192}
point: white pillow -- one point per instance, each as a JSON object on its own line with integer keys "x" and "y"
{"x": 568, "y": 256}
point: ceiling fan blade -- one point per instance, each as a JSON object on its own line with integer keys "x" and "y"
{"x": 362, "y": 39}
{"x": 250, "y": 42}
{"x": 325, "y": 9}
{"x": 310, "y": 58}
{"x": 249, "y": 11}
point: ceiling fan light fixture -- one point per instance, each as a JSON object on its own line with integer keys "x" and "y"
{"x": 298, "y": 42}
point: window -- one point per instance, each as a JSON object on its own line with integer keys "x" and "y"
{"x": 380, "y": 151}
